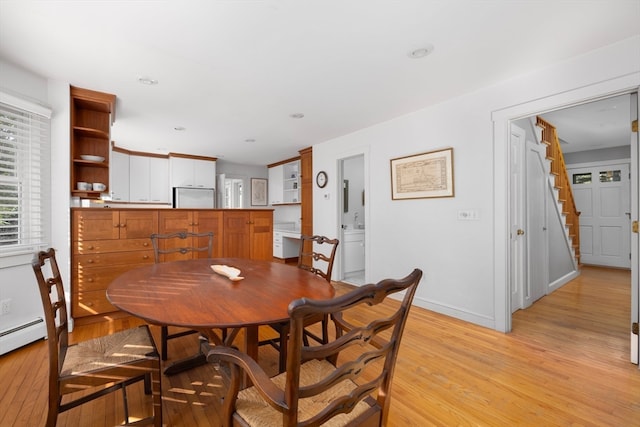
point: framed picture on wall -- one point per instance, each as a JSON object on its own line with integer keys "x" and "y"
{"x": 258, "y": 192}
{"x": 422, "y": 175}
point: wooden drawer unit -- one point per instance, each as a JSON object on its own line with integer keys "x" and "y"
{"x": 109, "y": 246}
{"x": 106, "y": 243}
{"x": 248, "y": 234}
{"x": 91, "y": 303}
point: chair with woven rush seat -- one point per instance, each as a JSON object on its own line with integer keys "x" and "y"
{"x": 174, "y": 246}
{"x": 345, "y": 382}
{"x": 107, "y": 363}
{"x": 312, "y": 258}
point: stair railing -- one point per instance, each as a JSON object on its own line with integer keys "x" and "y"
{"x": 562, "y": 182}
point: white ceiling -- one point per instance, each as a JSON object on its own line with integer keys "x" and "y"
{"x": 600, "y": 124}
{"x": 235, "y": 70}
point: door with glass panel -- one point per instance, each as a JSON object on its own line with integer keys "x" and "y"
{"x": 602, "y": 196}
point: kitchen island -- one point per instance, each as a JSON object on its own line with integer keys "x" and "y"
{"x": 106, "y": 242}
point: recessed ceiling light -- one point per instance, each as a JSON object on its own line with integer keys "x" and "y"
{"x": 421, "y": 52}
{"x": 249, "y": 140}
{"x": 147, "y": 81}
{"x": 180, "y": 128}
{"x": 296, "y": 115}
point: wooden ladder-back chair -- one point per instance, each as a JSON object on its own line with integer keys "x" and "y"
{"x": 175, "y": 246}
{"x": 107, "y": 363}
{"x": 312, "y": 258}
{"x": 345, "y": 382}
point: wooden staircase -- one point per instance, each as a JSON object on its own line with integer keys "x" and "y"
{"x": 561, "y": 183}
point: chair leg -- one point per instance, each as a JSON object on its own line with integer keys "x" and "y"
{"x": 52, "y": 415}
{"x": 156, "y": 389}
{"x": 164, "y": 337}
{"x": 125, "y": 404}
{"x": 325, "y": 329}
{"x": 147, "y": 384}
{"x": 282, "y": 359}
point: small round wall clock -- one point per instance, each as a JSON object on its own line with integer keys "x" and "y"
{"x": 321, "y": 179}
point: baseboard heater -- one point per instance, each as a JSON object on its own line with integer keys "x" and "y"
{"x": 21, "y": 335}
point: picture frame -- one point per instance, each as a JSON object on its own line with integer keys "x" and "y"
{"x": 424, "y": 175}
{"x": 259, "y": 191}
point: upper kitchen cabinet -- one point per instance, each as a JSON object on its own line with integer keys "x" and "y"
{"x": 92, "y": 114}
{"x": 192, "y": 171}
{"x": 149, "y": 179}
{"x": 119, "y": 168}
{"x": 284, "y": 182}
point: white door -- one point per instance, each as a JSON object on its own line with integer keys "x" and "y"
{"x": 602, "y": 196}
{"x": 536, "y": 220}
{"x": 516, "y": 211}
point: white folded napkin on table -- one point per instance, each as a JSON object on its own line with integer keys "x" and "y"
{"x": 231, "y": 272}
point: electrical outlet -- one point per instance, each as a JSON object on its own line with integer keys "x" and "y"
{"x": 5, "y": 306}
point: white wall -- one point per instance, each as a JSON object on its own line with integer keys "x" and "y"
{"x": 464, "y": 262}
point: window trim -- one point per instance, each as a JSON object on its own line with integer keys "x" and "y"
{"x": 22, "y": 254}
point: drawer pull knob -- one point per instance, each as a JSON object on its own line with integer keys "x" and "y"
{"x": 90, "y": 261}
{"x": 116, "y": 225}
{"x": 91, "y": 248}
{"x": 145, "y": 257}
{"x": 145, "y": 244}
{"x": 90, "y": 280}
{"x": 123, "y": 225}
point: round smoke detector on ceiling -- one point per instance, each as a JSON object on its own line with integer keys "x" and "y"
{"x": 421, "y": 52}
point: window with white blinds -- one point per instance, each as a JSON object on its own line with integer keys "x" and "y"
{"x": 24, "y": 176}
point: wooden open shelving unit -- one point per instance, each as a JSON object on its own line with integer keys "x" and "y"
{"x": 92, "y": 114}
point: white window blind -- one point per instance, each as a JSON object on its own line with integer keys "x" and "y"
{"x": 24, "y": 176}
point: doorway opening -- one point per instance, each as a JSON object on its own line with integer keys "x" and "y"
{"x": 598, "y": 176}
{"x": 352, "y": 220}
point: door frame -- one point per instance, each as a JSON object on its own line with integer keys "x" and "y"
{"x": 517, "y": 236}
{"x": 501, "y": 130}
{"x": 338, "y": 265}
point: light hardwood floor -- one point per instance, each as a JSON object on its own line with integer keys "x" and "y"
{"x": 565, "y": 363}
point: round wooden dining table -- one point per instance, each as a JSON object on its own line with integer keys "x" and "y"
{"x": 190, "y": 294}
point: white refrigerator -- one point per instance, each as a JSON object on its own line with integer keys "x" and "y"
{"x": 195, "y": 198}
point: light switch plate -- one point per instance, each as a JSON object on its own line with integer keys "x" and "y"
{"x": 468, "y": 215}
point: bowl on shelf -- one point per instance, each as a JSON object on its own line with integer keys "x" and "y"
{"x": 98, "y": 186}
{"x": 83, "y": 186}
{"x": 92, "y": 158}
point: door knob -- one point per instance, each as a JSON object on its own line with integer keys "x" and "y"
{"x": 520, "y": 232}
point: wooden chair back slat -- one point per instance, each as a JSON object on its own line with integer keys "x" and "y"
{"x": 180, "y": 244}
{"x": 312, "y": 251}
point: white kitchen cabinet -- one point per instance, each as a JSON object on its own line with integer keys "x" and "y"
{"x": 159, "y": 190}
{"x": 286, "y": 245}
{"x": 276, "y": 185}
{"x": 149, "y": 179}
{"x": 191, "y": 172}
{"x": 284, "y": 183}
{"x": 119, "y": 180}
{"x": 353, "y": 251}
